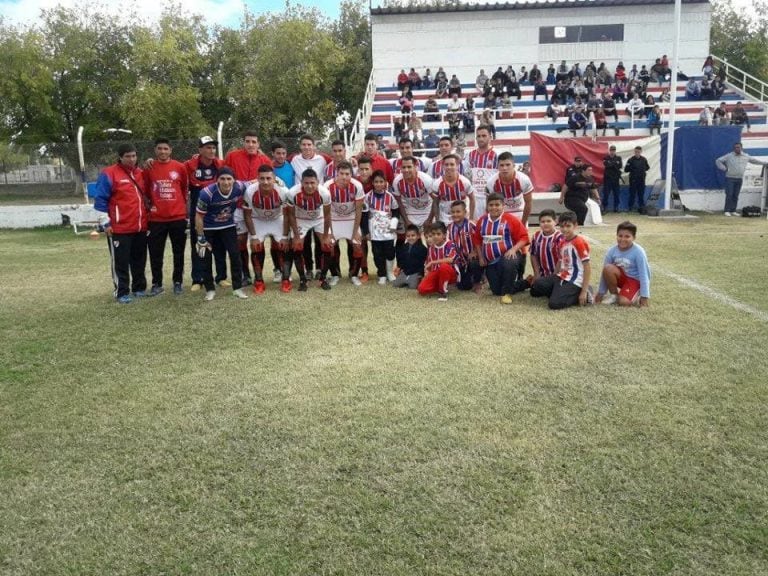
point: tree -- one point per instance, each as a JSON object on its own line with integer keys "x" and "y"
{"x": 352, "y": 31}
{"x": 741, "y": 38}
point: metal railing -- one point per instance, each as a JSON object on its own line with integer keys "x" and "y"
{"x": 360, "y": 123}
{"x": 748, "y": 84}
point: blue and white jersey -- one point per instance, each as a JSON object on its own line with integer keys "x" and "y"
{"x": 218, "y": 210}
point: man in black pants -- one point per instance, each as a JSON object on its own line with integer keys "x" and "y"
{"x": 636, "y": 167}
{"x": 612, "y": 179}
{"x": 577, "y": 191}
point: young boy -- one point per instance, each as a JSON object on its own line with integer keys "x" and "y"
{"x": 383, "y": 212}
{"x": 411, "y": 256}
{"x": 574, "y": 270}
{"x": 440, "y": 269}
{"x": 545, "y": 254}
{"x": 626, "y": 274}
{"x": 460, "y": 232}
{"x": 499, "y": 241}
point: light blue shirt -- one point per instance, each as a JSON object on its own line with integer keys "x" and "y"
{"x": 635, "y": 265}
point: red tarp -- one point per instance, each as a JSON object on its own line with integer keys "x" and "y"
{"x": 550, "y": 157}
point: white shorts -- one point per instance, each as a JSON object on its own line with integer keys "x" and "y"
{"x": 240, "y": 222}
{"x": 343, "y": 229}
{"x": 266, "y": 228}
{"x": 305, "y": 226}
{"x": 479, "y": 206}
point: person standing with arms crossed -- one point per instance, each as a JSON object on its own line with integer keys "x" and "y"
{"x": 734, "y": 164}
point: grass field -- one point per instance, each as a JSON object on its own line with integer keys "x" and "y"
{"x": 368, "y": 431}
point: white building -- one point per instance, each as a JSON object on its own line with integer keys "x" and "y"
{"x": 467, "y": 37}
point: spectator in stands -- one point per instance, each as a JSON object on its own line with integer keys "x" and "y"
{"x": 551, "y": 77}
{"x": 554, "y": 111}
{"x": 560, "y": 92}
{"x": 498, "y": 89}
{"x": 634, "y": 73}
{"x": 593, "y": 103}
{"x": 648, "y": 103}
{"x": 480, "y": 81}
{"x": 578, "y": 90}
{"x": 618, "y": 93}
{"x": 441, "y": 88}
{"x": 414, "y": 79}
{"x": 455, "y": 114}
{"x": 604, "y": 76}
{"x": 488, "y": 117}
{"x": 609, "y": 106}
{"x": 601, "y": 122}
{"x": 575, "y": 71}
{"x": 717, "y": 89}
{"x": 523, "y": 76}
{"x": 469, "y": 114}
{"x": 665, "y": 96}
{"x": 654, "y": 120}
{"x": 563, "y": 72}
{"x": 577, "y": 121}
{"x": 621, "y": 72}
{"x": 510, "y": 73}
{"x": 406, "y": 106}
{"x": 454, "y": 86}
{"x": 534, "y": 75}
{"x": 636, "y": 108}
{"x": 658, "y": 72}
{"x": 506, "y": 107}
{"x": 708, "y": 70}
{"x": 739, "y": 116}
{"x": 539, "y": 89}
{"x": 705, "y": 116}
{"x": 591, "y": 67}
{"x": 426, "y": 80}
{"x": 402, "y": 80}
{"x": 488, "y": 97}
{"x": 693, "y": 90}
{"x": 636, "y": 88}
{"x": 499, "y": 76}
{"x": 644, "y": 76}
{"x": 665, "y": 65}
{"x": 431, "y": 110}
{"x": 397, "y": 128}
{"x": 706, "y": 90}
{"x": 431, "y": 143}
{"x": 441, "y": 75}
{"x": 721, "y": 116}
{"x": 415, "y": 128}
{"x": 513, "y": 88}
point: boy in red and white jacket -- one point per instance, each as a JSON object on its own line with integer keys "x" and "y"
{"x": 440, "y": 269}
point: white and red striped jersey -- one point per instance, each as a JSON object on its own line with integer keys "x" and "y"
{"x": 546, "y": 250}
{"x": 308, "y": 208}
{"x": 436, "y": 169}
{"x": 422, "y": 164}
{"x": 414, "y": 196}
{"x": 445, "y": 250}
{"x": 446, "y": 194}
{"x": 483, "y": 165}
{"x": 380, "y": 207}
{"x": 461, "y": 234}
{"x": 573, "y": 254}
{"x": 344, "y": 200}
{"x": 513, "y": 192}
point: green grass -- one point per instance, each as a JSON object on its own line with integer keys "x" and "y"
{"x": 369, "y": 431}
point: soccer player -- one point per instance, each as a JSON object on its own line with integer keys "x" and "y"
{"x": 378, "y": 160}
{"x": 338, "y": 154}
{"x": 383, "y": 213}
{"x": 347, "y": 198}
{"x": 202, "y": 170}
{"x": 245, "y": 163}
{"x": 364, "y": 172}
{"x": 309, "y": 158}
{"x": 626, "y": 275}
{"x": 461, "y": 232}
{"x": 450, "y": 187}
{"x": 514, "y": 187}
{"x": 545, "y": 254}
{"x": 445, "y": 147}
{"x": 574, "y": 269}
{"x": 483, "y": 165}
{"x": 308, "y": 213}
{"x": 167, "y": 189}
{"x": 119, "y": 203}
{"x": 499, "y": 240}
{"x": 440, "y": 270}
{"x": 283, "y": 168}
{"x": 216, "y": 232}
{"x": 406, "y": 151}
{"x": 263, "y": 207}
{"x": 412, "y": 188}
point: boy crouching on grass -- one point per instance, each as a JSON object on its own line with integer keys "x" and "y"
{"x": 626, "y": 274}
{"x": 411, "y": 256}
{"x": 461, "y": 232}
{"x": 440, "y": 269}
{"x": 573, "y": 268}
{"x": 545, "y": 254}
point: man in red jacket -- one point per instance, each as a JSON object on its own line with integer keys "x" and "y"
{"x": 122, "y": 211}
{"x": 245, "y": 163}
{"x": 166, "y": 186}
{"x": 378, "y": 161}
{"x": 202, "y": 170}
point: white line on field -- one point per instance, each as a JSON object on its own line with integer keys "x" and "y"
{"x": 704, "y": 289}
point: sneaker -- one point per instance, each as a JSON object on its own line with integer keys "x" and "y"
{"x": 382, "y": 281}
{"x": 277, "y": 277}
{"x": 177, "y": 289}
{"x": 364, "y": 277}
{"x": 240, "y": 294}
{"x": 442, "y": 298}
{"x": 333, "y": 280}
{"x": 225, "y": 283}
{"x": 356, "y": 281}
{"x": 303, "y": 286}
{"x": 156, "y": 291}
{"x": 259, "y": 287}
{"x": 286, "y": 286}
{"x": 325, "y": 285}
{"x": 318, "y": 275}
{"x": 210, "y": 295}
{"x": 141, "y": 294}
{"x": 196, "y": 288}
{"x": 506, "y": 299}
{"x": 609, "y": 299}
{"x": 125, "y": 299}
{"x": 726, "y": 213}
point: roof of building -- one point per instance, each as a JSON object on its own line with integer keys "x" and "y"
{"x": 537, "y": 5}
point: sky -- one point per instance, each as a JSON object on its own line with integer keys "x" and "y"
{"x": 224, "y": 12}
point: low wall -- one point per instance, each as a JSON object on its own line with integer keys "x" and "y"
{"x": 36, "y": 216}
